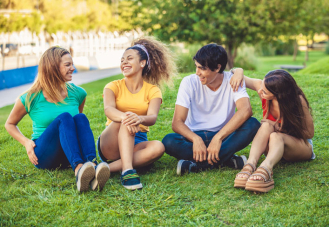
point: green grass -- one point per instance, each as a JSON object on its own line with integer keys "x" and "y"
{"x": 267, "y": 63}
{"x": 319, "y": 67}
{"x": 38, "y": 197}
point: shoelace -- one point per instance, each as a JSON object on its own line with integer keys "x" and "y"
{"x": 130, "y": 176}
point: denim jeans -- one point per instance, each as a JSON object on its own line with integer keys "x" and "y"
{"x": 179, "y": 147}
{"x": 66, "y": 141}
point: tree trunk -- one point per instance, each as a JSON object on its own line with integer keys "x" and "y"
{"x": 231, "y": 54}
{"x": 306, "y": 52}
{"x": 295, "y": 49}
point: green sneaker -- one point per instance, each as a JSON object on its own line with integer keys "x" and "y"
{"x": 130, "y": 180}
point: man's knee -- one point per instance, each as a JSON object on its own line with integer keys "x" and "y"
{"x": 169, "y": 142}
{"x": 252, "y": 124}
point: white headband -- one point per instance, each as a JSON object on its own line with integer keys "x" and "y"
{"x": 145, "y": 50}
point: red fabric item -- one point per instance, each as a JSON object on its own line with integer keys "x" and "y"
{"x": 270, "y": 116}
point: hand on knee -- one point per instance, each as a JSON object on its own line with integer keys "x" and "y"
{"x": 267, "y": 126}
{"x": 129, "y": 130}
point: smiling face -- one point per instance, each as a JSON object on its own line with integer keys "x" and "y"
{"x": 131, "y": 64}
{"x": 264, "y": 93}
{"x": 206, "y": 76}
{"x": 66, "y": 67}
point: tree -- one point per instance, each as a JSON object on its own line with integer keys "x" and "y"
{"x": 227, "y": 22}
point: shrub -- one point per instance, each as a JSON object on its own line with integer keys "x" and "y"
{"x": 246, "y": 57}
{"x": 327, "y": 48}
{"x": 185, "y": 57}
{"x": 277, "y": 47}
{"x": 265, "y": 49}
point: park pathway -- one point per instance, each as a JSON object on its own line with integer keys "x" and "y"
{"x": 8, "y": 96}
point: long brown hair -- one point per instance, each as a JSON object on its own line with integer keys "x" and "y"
{"x": 284, "y": 87}
{"x": 162, "y": 65}
{"x": 49, "y": 78}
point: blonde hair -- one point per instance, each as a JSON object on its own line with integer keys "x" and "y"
{"x": 49, "y": 78}
{"x": 162, "y": 65}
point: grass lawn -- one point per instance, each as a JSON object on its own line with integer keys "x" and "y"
{"x": 38, "y": 197}
{"x": 319, "y": 67}
{"x": 267, "y": 63}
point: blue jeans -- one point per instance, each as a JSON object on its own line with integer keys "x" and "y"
{"x": 66, "y": 141}
{"x": 179, "y": 147}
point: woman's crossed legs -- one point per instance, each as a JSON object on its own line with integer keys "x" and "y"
{"x": 117, "y": 145}
{"x": 276, "y": 146}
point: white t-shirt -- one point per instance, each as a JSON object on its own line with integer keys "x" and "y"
{"x": 208, "y": 110}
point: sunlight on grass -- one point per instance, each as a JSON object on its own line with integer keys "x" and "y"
{"x": 35, "y": 197}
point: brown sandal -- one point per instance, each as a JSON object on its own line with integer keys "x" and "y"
{"x": 264, "y": 185}
{"x": 240, "y": 182}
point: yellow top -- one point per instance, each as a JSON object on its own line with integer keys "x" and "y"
{"x": 137, "y": 103}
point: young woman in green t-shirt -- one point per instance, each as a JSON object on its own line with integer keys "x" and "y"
{"x": 61, "y": 132}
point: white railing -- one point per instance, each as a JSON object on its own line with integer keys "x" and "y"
{"x": 27, "y": 47}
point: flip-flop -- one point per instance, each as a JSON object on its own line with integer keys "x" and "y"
{"x": 264, "y": 185}
{"x": 240, "y": 182}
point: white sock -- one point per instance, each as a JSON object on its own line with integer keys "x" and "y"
{"x": 123, "y": 172}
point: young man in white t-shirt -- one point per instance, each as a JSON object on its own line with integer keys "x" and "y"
{"x": 208, "y": 130}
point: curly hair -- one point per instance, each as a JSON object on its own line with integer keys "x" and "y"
{"x": 162, "y": 65}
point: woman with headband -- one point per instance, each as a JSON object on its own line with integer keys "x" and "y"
{"x": 131, "y": 105}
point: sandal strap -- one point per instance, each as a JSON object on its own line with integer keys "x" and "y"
{"x": 266, "y": 175}
{"x": 262, "y": 176}
{"x": 245, "y": 172}
{"x": 251, "y": 165}
{"x": 268, "y": 171}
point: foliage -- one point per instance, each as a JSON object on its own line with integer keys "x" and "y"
{"x": 185, "y": 57}
{"x": 82, "y": 15}
{"x": 246, "y": 57}
{"x": 17, "y": 4}
{"x": 225, "y": 22}
{"x": 33, "y": 197}
{"x": 59, "y": 15}
{"x": 319, "y": 67}
{"x": 327, "y": 48}
{"x": 275, "y": 47}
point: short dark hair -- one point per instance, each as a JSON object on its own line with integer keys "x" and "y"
{"x": 211, "y": 55}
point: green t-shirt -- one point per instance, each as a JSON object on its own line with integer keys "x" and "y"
{"x": 43, "y": 112}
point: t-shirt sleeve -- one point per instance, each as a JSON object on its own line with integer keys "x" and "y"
{"x": 80, "y": 93}
{"x": 241, "y": 93}
{"x": 184, "y": 93}
{"x": 155, "y": 92}
{"x": 23, "y": 99}
{"x": 114, "y": 86}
